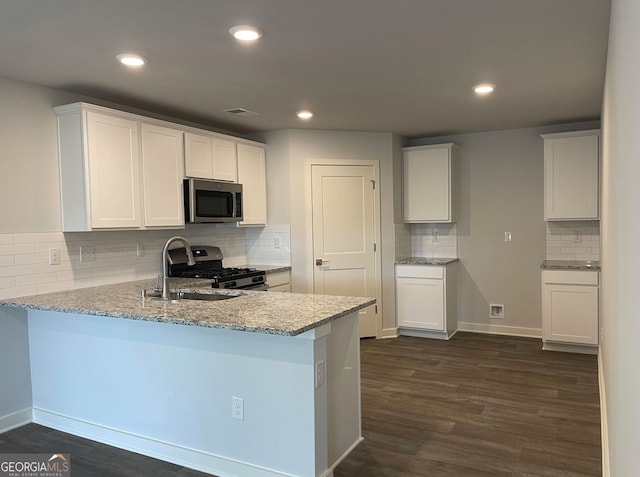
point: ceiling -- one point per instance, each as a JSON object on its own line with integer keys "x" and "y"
{"x": 403, "y": 66}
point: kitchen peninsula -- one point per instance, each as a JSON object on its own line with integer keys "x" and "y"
{"x": 262, "y": 384}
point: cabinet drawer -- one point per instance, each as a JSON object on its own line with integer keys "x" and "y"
{"x": 275, "y": 279}
{"x": 419, "y": 271}
{"x": 570, "y": 277}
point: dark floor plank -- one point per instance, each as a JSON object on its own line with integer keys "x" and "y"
{"x": 474, "y": 406}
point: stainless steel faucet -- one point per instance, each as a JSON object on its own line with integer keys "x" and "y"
{"x": 165, "y": 262}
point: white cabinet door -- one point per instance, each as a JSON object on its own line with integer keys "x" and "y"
{"x": 223, "y": 157}
{"x": 197, "y": 156}
{"x": 252, "y": 176}
{"x": 429, "y": 184}
{"x": 279, "y": 281}
{"x": 208, "y": 157}
{"x": 571, "y": 168}
{"x": 114, "y": 171}
{"x": 162, "y": 160}
{"x": 420, "y": 303}
{"x": 570, "y": 313}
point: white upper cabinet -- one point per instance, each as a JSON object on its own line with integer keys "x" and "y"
{"x": 162, "y": 163}
{"x": 571, "y": 173}
{"x": 430, "y": 183}
{"x": 197, "y": 156}
{"x": 252, "y": 176}
{"x": 100, "y": 172}
{"x": 125, "y": 171}
{"x": 209, "y": 157}
{"x": 117, "y": 172}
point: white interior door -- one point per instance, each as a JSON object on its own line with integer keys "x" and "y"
{"x": 343, "y": 204}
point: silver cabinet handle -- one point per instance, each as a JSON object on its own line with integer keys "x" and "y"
{"x": 319, "y": 261}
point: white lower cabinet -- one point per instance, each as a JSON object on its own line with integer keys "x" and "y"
{"x": 279, "y": 281}
{"x": 570, "y": 309}
{"x": 425, "y": 300}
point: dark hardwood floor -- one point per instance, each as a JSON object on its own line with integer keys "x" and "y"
{"x": 478, "y": 405}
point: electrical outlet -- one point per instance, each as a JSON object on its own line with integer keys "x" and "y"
{"x": 578, "y": 237}
{"x": 319, "y": 373}
{"x": 54, "y": 256}
{"x": 496, "y": 312}
{"x": 277, "y": 242}
{"x": 237, "y": 408}
{"x": 87, "y": 253}
{"x": 507, "y": 236}
{"x": 436, "y": 235}
{"x": 139, "y": 249}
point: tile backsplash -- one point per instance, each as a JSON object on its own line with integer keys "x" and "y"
{"x": 575, "y": 240}
{"x": 426, "y": 240}
{"x": 24, "y": 257}
{"x": 434, "y": 240}
{"x": 403, "y": 241}
{"x": 270, "y": 245}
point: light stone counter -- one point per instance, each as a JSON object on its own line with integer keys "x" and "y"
{"x": 253, "y": 311}
{"x": 272, "y": 268}
{"x": 425, "y": 261}
{"x": 570, "y": 265}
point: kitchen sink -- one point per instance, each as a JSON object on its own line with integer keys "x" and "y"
{"x": 180, "y": 295}
{"x": 204, "y": 296}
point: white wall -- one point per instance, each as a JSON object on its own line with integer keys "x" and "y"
{"x": 29, "y": 190}
{"x": 15, "y": 375}
{"x": 287, "y": 153}
{"x": 501, "y": 189}
{"x": 30, "y": 211}
{"x": 620, "y": 350}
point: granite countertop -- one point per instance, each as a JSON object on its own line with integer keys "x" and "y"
{"x": 253, "y": 311}
{"x": 425, "y": 261}
{"x": 271, "y": 268}
{"x": 570, "y": 265}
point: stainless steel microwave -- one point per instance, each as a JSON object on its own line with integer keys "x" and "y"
{"x": 207, "y": 201}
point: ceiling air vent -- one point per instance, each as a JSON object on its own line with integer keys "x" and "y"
{"x": 241, "y": 112}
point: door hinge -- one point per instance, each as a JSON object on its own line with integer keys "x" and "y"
{"x": 373, "y": 183}
{"x": 375, "y": 247}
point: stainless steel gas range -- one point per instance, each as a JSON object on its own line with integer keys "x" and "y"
{"x": 209, "y": 267}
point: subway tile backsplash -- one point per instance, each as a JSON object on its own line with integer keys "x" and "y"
{"x": 24, "y": 257}
{"x": 270, "y": 245}
{"x": 426, "y": 240}
{"x": 573, "y": 240}
{"x": 403, "y": 241}
{"x": 434, "y": 240}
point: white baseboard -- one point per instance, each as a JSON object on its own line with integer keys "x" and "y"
{"x": 569, "y": 348}
{"x": 15, "y": 420}
{"x": 180, "y": 455}
{"x": 434, "y": 335}
{"x": 389, "y": 333}
{"x": 604, "y": 428}
{"x": 500, "y": 329}
{"x": 329, "y": 471}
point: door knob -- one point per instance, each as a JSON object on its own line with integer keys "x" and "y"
{"x": 319, "y": 261}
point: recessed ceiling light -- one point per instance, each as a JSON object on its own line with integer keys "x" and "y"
{"x": 245, "y": 32}
{"x": 130, "y": 59}
{"x": 484, "y": 88}
{"x": 304, "y": 114}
